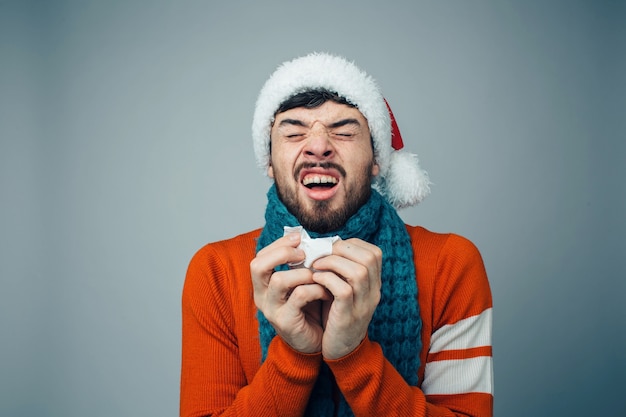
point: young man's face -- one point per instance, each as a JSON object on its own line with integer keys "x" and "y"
{"x": 322, "y": 162}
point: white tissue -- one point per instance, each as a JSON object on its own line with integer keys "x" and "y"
{"x": 313, "y": 248}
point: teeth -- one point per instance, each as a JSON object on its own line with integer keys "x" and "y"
{"x": 319, "y": 179}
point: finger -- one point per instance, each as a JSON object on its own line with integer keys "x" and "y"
{"x": 361, "y": 272}
{"x": 305, "y": 294}
{"x": 291, "y": 239}
{"x": 282, "y": 251}
{"x": 341, "y": 291}
{"x": 283, "y": 283}
{"x": 355, "y": 274}
{"x": 362, "y": 253}
{"x": 359, "y": 251}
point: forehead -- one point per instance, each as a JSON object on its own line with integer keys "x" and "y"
{"x": 328, "y": 112}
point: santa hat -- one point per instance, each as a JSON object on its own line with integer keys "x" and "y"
{"x": 401, "y": 180}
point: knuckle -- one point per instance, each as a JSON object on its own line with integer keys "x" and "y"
{"x": 362, "y": 272}
{"x": 298, "y": 294}
{"x": 344, "y": 292}
{"x": 258, "y": 302}
{"x": 373, "y": 257}
{"x": 255, "y": 266}
{"x": 376, "y": 296}
{"x": 277, "y": 280}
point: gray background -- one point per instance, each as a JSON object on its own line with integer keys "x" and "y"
{"x": 125, "y": 146}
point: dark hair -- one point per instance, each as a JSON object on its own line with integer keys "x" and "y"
{"x": 311, "y": 99}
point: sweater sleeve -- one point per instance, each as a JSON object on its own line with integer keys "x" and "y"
{"x": 213, "y": 379}
{"x": 458, "y": 370}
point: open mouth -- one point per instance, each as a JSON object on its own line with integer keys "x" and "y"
{"x": 320, "y": 181}
{"x": 317, "y": 181}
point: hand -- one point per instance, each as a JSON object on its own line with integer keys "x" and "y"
{"x": 290, "y": 300}
{"x": 352, "y": 275}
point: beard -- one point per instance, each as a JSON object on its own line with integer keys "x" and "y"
{"x": 321, "y": 217}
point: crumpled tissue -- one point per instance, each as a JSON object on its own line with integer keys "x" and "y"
{"x": 313, "y": 248}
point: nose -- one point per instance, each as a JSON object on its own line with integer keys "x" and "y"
{"x": 318, "y": 145}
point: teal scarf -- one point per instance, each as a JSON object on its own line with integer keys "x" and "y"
{"x": 396, "y": 324}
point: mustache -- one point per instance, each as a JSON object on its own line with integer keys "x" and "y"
{"x": 323, "y": 165}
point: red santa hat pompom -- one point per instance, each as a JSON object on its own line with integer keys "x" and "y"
{"x": 401, "y": 180}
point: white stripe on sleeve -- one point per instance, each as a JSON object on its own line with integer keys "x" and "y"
{"x": 468, "y": 333}
{"x": 459, "y": 376}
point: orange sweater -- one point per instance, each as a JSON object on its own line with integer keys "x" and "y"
{"x": 222, "y": 372}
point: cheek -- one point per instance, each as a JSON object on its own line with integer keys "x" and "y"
{"x": 283, "y": 159}
{"x": 280, "y": 168}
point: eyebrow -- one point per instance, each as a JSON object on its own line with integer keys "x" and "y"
{"x": 345, "y": 122}
{"x": 340, "y": 123}
{"x": 294, "y": 122}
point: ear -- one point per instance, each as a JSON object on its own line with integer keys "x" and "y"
{"x": 270, "y": 171}
{"x": 375, "y": 169}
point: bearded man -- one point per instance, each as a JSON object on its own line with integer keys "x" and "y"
{"x": 335, "y": 307}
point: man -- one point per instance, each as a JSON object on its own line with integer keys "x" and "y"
{"x": 335, "y": 307}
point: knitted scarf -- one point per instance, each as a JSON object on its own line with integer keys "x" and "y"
{"x": 396, "y": 324}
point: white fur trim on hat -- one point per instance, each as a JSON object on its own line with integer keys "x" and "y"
{"x": 400, "y": 180}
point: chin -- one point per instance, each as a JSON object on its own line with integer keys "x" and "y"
{"x": 324, "y": 216}
{"x": 321, "y": 217}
